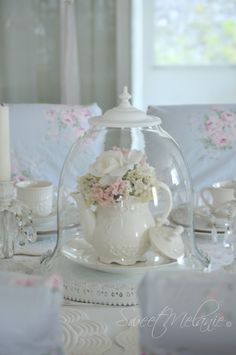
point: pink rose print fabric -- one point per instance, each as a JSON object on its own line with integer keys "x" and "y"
{"x": 41, "y": 136}
{"x": 67, "y": 122}
{"x": 217, "y": 131}
{"x": 206, "y": 135}
{"x": 20, "y": 171}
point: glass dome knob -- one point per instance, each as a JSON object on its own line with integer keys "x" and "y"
{"x": 125, "y": 97}
{"x": 125, "y": 115}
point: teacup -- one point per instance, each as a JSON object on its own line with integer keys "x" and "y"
{"x": 37, "y": 195}
{"x": 217, "y": 195}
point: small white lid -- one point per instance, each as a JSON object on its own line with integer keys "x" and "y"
{"x": 125, "y": 115}
{"x": 167, "y": 241}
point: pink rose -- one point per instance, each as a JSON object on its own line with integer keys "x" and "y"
{"x": 69, "y": 119}
{"x": 228, "y": 117}
{"x": 220, "y": 139}
{"x": 51, "y": 115}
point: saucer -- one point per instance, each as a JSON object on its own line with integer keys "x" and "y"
{"x": 202, "y": 221}
{"x": 48, "y": 224}
{"x": 82, "y": 253}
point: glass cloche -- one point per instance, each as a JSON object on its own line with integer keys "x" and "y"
{"x": 124, "y": 201}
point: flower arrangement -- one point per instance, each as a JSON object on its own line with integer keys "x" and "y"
{"x": 117, "y": 175}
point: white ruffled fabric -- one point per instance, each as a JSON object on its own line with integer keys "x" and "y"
{"x": 30, "y": 315}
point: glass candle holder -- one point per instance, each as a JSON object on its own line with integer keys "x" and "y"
{"x": 16, "y": 227}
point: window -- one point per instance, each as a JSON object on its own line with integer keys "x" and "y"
{"x": 194, "y": 32}
{"x": 184, "y": 52}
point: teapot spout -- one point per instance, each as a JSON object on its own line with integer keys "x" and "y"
{"x": 87, "y": 217}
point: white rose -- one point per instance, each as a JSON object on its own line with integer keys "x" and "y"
{"x": 113, "y": 164}
{"x": 107, "y": 162}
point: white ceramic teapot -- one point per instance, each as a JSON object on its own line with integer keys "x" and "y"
{"x": 119, "y": 232}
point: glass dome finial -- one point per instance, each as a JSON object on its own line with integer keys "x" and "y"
{"x": 125, "y": 97}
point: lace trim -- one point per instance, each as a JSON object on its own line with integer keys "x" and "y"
{"x": 91, "y": 286}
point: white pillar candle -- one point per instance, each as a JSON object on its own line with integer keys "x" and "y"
{"x": 5, "y": 161}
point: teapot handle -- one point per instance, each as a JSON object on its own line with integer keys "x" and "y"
{"x": 169, "y": 203}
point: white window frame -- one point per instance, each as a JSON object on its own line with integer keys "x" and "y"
{"x": 173, "y": 85}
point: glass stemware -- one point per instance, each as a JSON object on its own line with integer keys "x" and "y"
{"x": 214, "y": 234}
{"x": 222, "y": 223}
{"x": 228, "y": 210}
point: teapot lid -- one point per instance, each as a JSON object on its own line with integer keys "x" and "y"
{"x": 125, "y": 115}
{"x": 167, "y": 241}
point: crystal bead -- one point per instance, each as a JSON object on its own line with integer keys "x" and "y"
{"x": 214, "y": 235}
{"x": 31, "y": 234}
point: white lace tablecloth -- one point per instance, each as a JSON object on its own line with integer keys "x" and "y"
{"x": 95, "y": 329}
